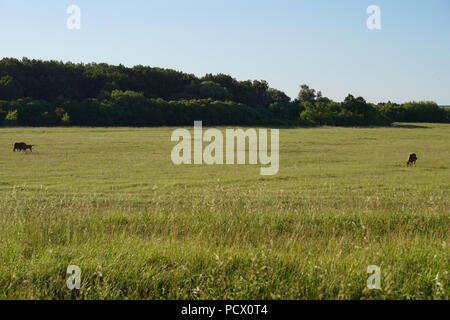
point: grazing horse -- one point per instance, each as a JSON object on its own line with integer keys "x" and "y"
{"x": 19, "y": 146}
{"x": 22, "y": 146}
{"x": 411, "y": 160}
{"x": 29, "y": 146}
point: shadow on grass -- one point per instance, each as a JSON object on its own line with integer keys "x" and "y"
{"x": 409, "y": 126}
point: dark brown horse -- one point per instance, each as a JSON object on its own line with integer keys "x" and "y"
{"x": 19, "y": 146}
{"x": 22, "y": 146}
{"x": 29, "y": 146}
{"x": 411, "y": 160}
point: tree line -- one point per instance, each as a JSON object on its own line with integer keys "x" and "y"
{"x": 52, "y": 93}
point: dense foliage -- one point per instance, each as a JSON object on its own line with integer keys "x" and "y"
{"x": 51, "y": 93}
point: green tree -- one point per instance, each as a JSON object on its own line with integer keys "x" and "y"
{"x": 10, "y": 89}
{"x": 12, "y": 118}
{"x": 205, "y": 90}
{"x": 277, "y": 96}
{"x": 307, "y": 94}
{"x": 65, "y": 119}
{"x": 318, "y": 113}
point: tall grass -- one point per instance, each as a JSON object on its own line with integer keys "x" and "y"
{"x": 111, "y": 202}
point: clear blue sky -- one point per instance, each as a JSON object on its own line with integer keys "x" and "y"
{"x": 324, "y": 43}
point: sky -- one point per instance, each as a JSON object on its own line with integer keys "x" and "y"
{"x": 323, "y": 43}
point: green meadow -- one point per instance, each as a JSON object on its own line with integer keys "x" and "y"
{"x": 110, "y": 201}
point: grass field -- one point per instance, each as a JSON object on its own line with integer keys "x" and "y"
{"x": 112, "y": 202}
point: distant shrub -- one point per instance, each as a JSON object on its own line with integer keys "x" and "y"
{"x": 12, "y": 118}
{"x": 65, "y": 119}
